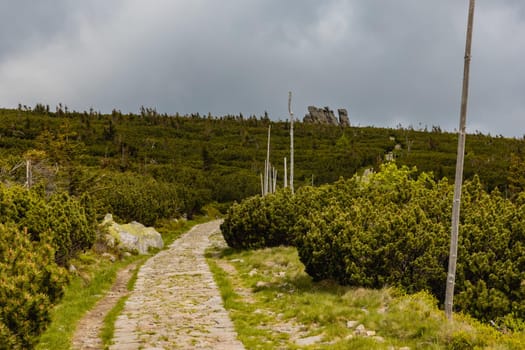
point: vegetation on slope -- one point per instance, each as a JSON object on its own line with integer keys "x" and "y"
{"x": 151, "y": 167}
{"x": 207, "y": 159}
{"x": 391, "y": 228}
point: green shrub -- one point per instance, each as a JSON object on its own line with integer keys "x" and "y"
{"x": 382, "y": 233}
{"x": 393, "y": 228}
{"x": 60, "y": 216}
{"x": 71, "y": 229}
{"x": 491, "y": 266}
{"x": 259, "y": 222}
{"x": 30, "y": 282}
{"x": 131, "y": 197}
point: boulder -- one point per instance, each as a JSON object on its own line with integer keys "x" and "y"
{"x": 132, "y": 237}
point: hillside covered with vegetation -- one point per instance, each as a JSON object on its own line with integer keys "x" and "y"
{"x": 62, "y": 171}
{"x": 206, "y": 159}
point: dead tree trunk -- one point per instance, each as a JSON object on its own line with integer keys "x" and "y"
{"x": 29, "y": 174}
{"x": 291, "y": 139}
{"x": 267, "y": 166}
{"x": 285, "y": 174}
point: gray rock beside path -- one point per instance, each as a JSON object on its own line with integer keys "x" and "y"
{"x": 176, "y": 303}
{"x": 132, "y": 237}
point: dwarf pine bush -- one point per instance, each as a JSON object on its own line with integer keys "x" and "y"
{"x": 392, "y": 228}
{"x": 30, "y": 283}
{"x": 259, "y": 222}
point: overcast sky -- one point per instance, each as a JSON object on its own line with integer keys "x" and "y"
{"x": 388, "y": 62}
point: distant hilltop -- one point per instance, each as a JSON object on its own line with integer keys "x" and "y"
{"x": 326, "y": 116}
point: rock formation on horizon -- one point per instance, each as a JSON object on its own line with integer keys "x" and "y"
{"x": 326, "y": 116}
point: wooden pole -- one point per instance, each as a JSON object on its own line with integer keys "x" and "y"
{"x": 291, "y": 139}
{"x": 451, "y": 276}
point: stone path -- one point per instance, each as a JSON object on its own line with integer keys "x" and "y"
{"x": 176, "y": 303}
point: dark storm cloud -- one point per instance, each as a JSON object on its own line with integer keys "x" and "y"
{"x": 28, "y": 25}
{"x": 388, "y": 62}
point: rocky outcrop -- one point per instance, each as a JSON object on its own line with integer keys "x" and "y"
{"x": 132, "y": 237}
{"x": 326, "y": 116}
{"x": 343, "y": 117}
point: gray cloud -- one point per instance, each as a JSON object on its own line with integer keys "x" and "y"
{"x": 388, "y": 62}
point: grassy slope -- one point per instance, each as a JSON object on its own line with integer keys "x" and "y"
{"x": 274, "y": 304}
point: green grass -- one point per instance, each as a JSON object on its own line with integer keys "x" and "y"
{"x": 108, "y": 330}
{"x": 95, "y": 277}
{"x": 274, "y": 304}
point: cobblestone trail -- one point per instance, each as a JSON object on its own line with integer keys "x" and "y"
{"x": 176, "y": 303}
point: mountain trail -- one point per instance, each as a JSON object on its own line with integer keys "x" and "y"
{"x": 175, "y": 303}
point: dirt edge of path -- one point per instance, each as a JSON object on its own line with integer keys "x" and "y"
{"x": 87, "y": 333}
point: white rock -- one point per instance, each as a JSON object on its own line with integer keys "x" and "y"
{"x": 108, "y": 256}
{"x": 261, "y": 284}
{"x": 132, "y": 237}
{"x": 360, "y": 330}
{"x": 379, "y": 339}
{"x": 309, "y": 340}
{"x": 351, "y": 324}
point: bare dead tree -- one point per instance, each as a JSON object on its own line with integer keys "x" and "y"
{"x": 285, "y": 174}
{"x": 274, "y": 179}
{"x": 291, "y": 139}
{"x": 451, "y": 276}
{"x": 267, "y": 166}
{"x": 262, "y": 185}
{"x": 29, "y": 174}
